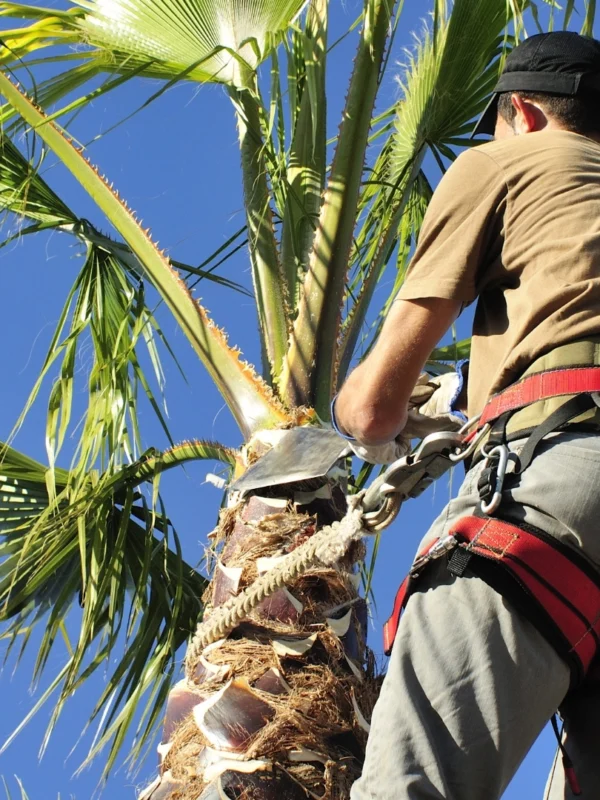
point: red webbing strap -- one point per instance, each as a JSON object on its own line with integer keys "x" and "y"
{"x": 390, "y": 628}
{"x": 561, "y": 587}
{"x": 541, "y": 386}
{"x": 551, "y": 577}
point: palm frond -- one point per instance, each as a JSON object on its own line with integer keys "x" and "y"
{"x": 22, "y": 793}
{"x": 209, "y": 42}
{"x": 368, "y": 272}
{"x": 452, "y": 352}
{"x": 106, "y": 316}
{"x": 445, "y": 84}
{"x": 447, "y": 80}
{"x": 587, "y": 28}
{"x": 222, "y": 39}
{"x": 106, "y": 547}
{"x": 267, "y": 275}
{"x": 249, "y": 399}
{"x": 312, "y": 357}
{"x": 24, "y": 193}
{"x": 305, "y": 173}
{"x": 49, "y": 27}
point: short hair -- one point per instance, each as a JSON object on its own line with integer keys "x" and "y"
{"x": 577, "y": 113}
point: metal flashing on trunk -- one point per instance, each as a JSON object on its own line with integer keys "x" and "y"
{"x": 301, "y": 454}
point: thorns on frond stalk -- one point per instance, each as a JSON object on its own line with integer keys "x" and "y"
{"x": 251, "y": 402}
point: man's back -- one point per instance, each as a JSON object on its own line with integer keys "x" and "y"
{"x": 526, "y": 241}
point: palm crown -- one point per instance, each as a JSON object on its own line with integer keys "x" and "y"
{"x": 319, "y": 236}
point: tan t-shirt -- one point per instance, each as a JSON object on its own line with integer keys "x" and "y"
{"x": 515, "y": 223}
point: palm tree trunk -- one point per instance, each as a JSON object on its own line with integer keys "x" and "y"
{"x": 278, "y": 709}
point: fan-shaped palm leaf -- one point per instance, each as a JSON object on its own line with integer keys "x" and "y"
{"x": 104, "y": 545}
{"x": 445, "y": 84}
{"x": 222, "y": 39}
{"x": 206, "y": 41}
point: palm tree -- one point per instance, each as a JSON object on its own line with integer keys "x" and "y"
{"x": 278, "y": 705}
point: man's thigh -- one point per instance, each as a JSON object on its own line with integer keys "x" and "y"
{"x": 471, "y": 683}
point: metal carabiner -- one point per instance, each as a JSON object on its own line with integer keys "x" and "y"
{"x": 408, "y": 477}
{"x": 502, "y": 453}
{"x": 383, "y": 516}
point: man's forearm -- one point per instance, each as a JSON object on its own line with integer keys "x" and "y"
{"x": 372, "y": 404}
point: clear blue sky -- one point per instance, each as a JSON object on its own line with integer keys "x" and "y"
{"x": 176, "y": 163}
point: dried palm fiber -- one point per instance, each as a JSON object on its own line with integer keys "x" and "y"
{"x": 327, "y": 546}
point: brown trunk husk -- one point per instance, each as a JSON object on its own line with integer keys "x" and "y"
{"x": 294, "y": 718}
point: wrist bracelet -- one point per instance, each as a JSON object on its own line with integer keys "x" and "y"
{"x": 335, "y": 425}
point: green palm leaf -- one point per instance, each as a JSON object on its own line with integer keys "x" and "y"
{"x": 250, "y": 400}
{"x": 23, "y": 192}
{"x": 222, "y": 39}
{"x": 445, "y": 84}
{"x": 23, "y": 793}
{"x": 204, "y": 41}
{"x": 103, "y": 546}
{"x": 311, "y": 365}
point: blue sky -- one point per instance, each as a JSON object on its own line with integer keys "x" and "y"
{"x": 177, "y": 164}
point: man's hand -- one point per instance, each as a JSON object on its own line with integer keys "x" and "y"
{"x": 382, "y": 453}
{"x": 434, "y": 405}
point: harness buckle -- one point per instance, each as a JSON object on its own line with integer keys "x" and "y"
{"x": 438, "y": 549}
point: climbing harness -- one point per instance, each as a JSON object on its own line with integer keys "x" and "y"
{"x": 552, "y": 585}
{"x": 584, "y": 380}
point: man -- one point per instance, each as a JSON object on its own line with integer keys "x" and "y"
{"x": 514, "y": 223}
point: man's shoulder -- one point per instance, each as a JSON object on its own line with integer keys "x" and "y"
{"x": 505, "y": 151}
{"x": 473, "y": 167}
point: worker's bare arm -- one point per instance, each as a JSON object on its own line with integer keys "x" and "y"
{"x": 372, "y": 404}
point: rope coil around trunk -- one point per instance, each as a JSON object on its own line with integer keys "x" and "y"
{"x": 327, "y": 546}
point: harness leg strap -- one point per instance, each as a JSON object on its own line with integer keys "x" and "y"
{"x": 550, "y": 584}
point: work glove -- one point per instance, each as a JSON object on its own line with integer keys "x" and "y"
{"x": 382, "y": 453}
{"x": 431, "y": 405}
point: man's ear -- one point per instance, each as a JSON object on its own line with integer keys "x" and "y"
{"x": 529, "y": 117}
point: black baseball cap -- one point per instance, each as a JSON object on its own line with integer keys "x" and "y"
{"x": 563, "y": 63}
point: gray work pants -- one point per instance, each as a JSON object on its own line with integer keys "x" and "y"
{"x": 470, "y": 682}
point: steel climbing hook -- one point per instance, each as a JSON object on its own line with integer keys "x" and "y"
{"x": 410, "y": 476}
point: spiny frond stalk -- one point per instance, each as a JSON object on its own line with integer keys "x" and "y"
{"x": 307, "y": 158}
{"x": 270, "y": 288}
{"x": 250, "y": 400}
{"x": 310, "y": 365}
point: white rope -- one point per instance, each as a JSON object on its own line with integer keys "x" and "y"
{"x": 327, "y": 546}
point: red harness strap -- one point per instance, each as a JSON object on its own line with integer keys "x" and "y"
{"x": 390, "y": 628}
{"x": 551, "y": 584}
{"x": 541, "y": 386}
